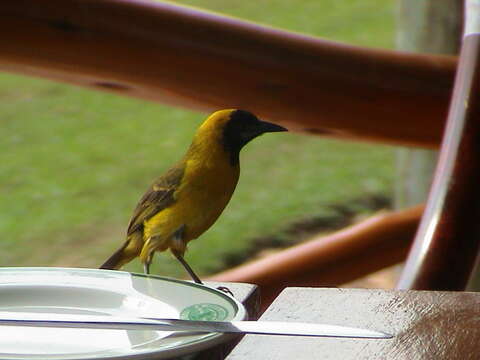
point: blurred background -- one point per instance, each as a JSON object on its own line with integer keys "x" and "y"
{"x": 75, "y": 162}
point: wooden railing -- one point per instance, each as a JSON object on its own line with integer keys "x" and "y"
{"x": 200, "y": 60}
{"x": 196, "y": 59}
{"x": 447, "y": 243}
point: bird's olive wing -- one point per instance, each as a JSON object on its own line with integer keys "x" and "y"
{"x": 157, "y": 198}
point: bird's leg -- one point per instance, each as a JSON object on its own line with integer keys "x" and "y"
{"x": 178, "y": 240}
{"x": 187, "y": 267}
{"x": 146, "y": 268}
{"x": 178, "y": 236}
{"x": 146, "y": 265}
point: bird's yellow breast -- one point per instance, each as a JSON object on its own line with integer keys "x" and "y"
{"x": 206, "y": 187}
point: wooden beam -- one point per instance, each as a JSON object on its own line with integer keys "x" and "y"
{"x": 334, "y": 259}
{"x": 187, "y": 57}
{"x": 447, "y": 244}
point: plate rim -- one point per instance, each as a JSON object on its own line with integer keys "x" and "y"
{"x": 191, "y": 348}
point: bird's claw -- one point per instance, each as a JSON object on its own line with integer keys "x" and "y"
{"x": 225, "y": 290}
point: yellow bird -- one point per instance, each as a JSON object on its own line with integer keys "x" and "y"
{"x": 184, "y": 202}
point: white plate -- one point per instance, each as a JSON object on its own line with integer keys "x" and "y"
{"x": 105, "y": 292}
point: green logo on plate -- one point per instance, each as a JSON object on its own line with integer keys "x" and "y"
{"x": 204, "y": 312}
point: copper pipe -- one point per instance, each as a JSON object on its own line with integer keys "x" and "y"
{"x": 192, "y": 58}
{"x": 344, "y": 256}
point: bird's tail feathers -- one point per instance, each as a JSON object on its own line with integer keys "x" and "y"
{"x": 115, "y": 261}
{"x": 125, "y": 254}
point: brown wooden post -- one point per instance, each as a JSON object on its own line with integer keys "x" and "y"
{"x": 447, "y": 243}
{"x": 192, "y": 58}
{"x": 426, "y": 26}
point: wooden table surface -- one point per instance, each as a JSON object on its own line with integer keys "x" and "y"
{"x": 426, "y": 325}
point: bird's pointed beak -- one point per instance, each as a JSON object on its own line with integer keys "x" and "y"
{"x": 269, "y": 127}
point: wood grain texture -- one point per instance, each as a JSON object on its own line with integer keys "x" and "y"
{"x": 425, "y": 325}
{"x": 187, "y": 57}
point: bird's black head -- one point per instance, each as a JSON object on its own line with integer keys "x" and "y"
{"x": 242, "y": 127}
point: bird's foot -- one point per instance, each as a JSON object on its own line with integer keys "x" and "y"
{"x": 225, "y": 290}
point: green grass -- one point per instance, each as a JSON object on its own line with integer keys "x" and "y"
{"x": 75, "y": 162}
{"x": 362, "y": 22}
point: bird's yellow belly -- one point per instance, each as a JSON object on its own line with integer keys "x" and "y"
{"x": 198, "y": 204}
